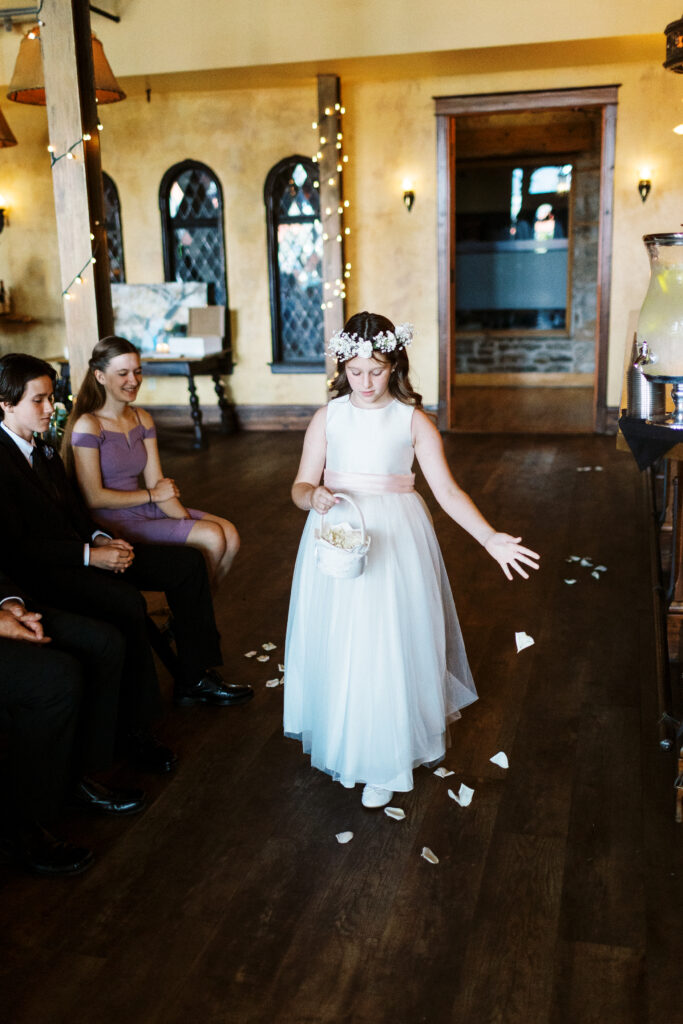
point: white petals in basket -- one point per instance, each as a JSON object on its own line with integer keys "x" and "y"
{"x": 343, "y": 535}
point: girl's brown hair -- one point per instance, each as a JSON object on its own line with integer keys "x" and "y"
{"x": 91, "y": 395}
{"x": 367, "y": 326}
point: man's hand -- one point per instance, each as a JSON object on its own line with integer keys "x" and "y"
{"x": 18, "y": 624}
{"x": 114, "y": 555}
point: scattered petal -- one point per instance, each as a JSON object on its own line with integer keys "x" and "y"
{"x": 500, "y": 759}
{"x": 523, "y": 640}
{"x": 281, "y": 667}
{"x": 429, "y": 855}
{"x": 443, "y": 773}
{"x": 263, "y": 657}
{"x": 344, "y": 837}
{"x": 598, "y": 469}
{"x": 281, "y": 681}
{"x": 601, "y": 568}
{"x": 397, "y": 813}
{"x": 269, "y": 646}
{"x": 583, "y": 469}
{"x": 272, "y": 683}
{"x": 586, "y": 562}
{"x": 596, "y": 575}
{"x": 570, "y": 582}
{"x": 574, "y": 558}
{"x": 250, "y": 654}
{"x": 463, "y": 796}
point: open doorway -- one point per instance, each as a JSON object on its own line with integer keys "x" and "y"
{"x": 525, "y": 185}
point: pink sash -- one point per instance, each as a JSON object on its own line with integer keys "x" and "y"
{"x": 370, "y": 483}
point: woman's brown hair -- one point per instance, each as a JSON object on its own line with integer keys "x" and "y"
{"x": 91, "y": 395}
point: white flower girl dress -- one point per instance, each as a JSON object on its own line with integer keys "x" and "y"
{"x": 375, "y": 666}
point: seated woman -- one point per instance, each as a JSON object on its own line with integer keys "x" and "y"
{"x": 113, "y": 443}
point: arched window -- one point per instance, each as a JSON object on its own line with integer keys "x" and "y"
{"x": 295, "y": 258}
{"x": 112, "y": 225}
{"x": 191, "y": 204}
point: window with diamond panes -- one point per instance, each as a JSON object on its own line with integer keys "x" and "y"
{"x": 191, "y": 203}
{"x": 112, "y": 225}
{"x": 295, "y": 251}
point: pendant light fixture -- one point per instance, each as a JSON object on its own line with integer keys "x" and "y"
{"x": 28, "y": 80}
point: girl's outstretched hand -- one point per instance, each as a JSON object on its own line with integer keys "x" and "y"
{"x": 509, "y": 554}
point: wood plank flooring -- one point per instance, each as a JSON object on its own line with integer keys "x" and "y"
{"x": 558, "y": 894}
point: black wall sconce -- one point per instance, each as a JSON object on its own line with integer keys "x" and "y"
{"x": 644, "y": 186}
{"x": 674, "y": 46}
{"x": 408, "y": 199}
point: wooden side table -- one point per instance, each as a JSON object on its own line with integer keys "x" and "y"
{"x": 213, "y": 366}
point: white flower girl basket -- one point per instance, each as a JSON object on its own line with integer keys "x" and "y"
{"x": 342, "y": 550}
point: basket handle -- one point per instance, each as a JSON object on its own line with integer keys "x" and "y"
{"x": 345, "y": 497}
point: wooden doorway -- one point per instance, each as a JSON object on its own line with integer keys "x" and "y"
{"x": 497, "y": 127}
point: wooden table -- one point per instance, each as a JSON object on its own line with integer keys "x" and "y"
{"x": 213, "y": 366}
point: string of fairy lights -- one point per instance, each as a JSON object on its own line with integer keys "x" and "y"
{"x": 70, "y": 153}
{"x": 327, "y": 138}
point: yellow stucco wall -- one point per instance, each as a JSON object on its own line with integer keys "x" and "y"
{"x": 389, "y": 134}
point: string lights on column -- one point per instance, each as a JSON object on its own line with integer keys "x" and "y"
{"x": 331, "y": 136}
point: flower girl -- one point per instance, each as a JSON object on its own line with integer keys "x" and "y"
{"x": 375, "y": 666}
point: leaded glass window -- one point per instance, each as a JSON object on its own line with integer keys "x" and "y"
{"x": 112, "y": 225}
{"x": 295, "y": 251}
{"x": 191, "y": 203}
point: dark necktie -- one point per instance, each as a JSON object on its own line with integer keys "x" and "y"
{"x": 42, "y": 471}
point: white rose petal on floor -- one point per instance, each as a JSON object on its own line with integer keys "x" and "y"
{"x": 272, "y": 683}
{"x": 570, "y": 582}
{"x": 443, "y": 773}
{"x": 397, "y": 813}
{"x": 523, "y": 640}
{"x": 263, "y": 657}
{"x": 344, "y": 837}
{"x": 280, "y": 667}
{"x": 501, "y": 759}
{"x": 463, "y": 796}
{"x": 269, "y": 646}
{"x": 250, "y": 654}
{"x": 429, "y": 855}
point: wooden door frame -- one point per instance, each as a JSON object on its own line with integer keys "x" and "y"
{"x": 447, "y": 109}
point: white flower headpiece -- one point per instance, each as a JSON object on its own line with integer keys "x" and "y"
{"x": 345, "y": 346}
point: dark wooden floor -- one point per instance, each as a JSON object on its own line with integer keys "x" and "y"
{"x": 558, "y": 894}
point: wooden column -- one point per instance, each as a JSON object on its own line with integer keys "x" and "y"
{"x": 331, "y": 201}
{"x": 79, "y": 205}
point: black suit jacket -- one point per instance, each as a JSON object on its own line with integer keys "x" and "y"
{"x": 46, "y": 526}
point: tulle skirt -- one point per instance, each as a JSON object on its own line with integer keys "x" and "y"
{"x": 375, "y": 667}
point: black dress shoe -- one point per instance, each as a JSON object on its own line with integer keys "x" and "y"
{"x": 149, "y": 755}
{"x": 212, "y": 689}
{"x": 37, "y": 850}
{"x": 93, "y": 796}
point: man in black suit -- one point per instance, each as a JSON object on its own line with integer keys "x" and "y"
{"x": 52, "y": 548}
{"x": 59, "y": 687}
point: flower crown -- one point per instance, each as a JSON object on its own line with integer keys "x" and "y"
{"x": 345, "y": 346}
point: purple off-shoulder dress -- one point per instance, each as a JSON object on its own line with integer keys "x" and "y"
{"x": 122, "y": 460}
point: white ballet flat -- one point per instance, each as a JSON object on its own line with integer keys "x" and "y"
{"x": 374, "y": 796}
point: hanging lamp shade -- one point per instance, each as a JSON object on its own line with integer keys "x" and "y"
{"x": 28, "y": 80}
{"x": 6, "y": 133}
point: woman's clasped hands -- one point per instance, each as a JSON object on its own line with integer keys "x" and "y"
{"x": 509, "y": 553}
{"x": 164, "y": 489}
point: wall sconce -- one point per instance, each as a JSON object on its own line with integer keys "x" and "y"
{"x": 674, "y": 46}
{"x": 4, "y": 215}
{"x": 644, "y": 186}
{"x": 408, "y": 194}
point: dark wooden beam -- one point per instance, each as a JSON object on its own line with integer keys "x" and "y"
{"x": 331, "y": 201}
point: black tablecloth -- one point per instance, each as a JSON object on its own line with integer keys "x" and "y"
{"x": 647, "y": 442}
